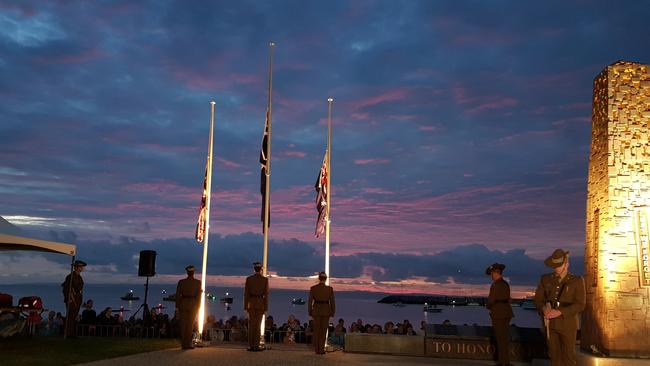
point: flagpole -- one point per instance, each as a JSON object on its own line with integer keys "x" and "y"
{"x": 267, "y": 188}
{"x": 329, "y": 192}
{"x": 207, "y": 223}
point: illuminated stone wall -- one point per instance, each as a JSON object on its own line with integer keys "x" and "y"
{"x": 617, "y": 317}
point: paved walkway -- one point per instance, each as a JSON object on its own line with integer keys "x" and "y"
{"x": 226, "y": 355}
{"x": 301, "y": 355}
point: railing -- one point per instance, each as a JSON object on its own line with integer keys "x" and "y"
{"x": 123, "y": 330}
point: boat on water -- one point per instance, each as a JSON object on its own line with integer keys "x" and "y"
{"x": 130, "y": 296}
{"x": 171, "y": 298}
{"x": 226, "y": 299}
{"x": 210, "y": 296}
{"x": 298, "y": 301}
{"x": 431, "y": 308}
{"x": 457, "y": 301}
{"x": 528, "y": 304}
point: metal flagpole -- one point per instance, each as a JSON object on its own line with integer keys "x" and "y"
{"x": 267, "y": 188}
{"x": 207, "y": 224}
{"x": 330, "y": 100}
{"x": 329, "y": 192}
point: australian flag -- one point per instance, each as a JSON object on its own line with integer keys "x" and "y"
{"x": 264, "y": 159}
{"x": 321, "y": 197}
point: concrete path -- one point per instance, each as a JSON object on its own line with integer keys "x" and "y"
{"x": 227, "y": 355}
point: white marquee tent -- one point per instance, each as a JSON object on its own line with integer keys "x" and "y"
{"x": 12, "y": 242}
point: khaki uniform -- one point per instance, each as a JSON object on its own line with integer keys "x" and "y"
{"x": 568, "y": 296}
{"x": 256, "y": 303}
{"x": 73, "y": 301}
{"x": 321, "y": 309}
{"x": 188, "y": 301}
{"x": 498, "y": 303}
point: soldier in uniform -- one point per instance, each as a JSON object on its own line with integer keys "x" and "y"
{"x": 188, "y": 301}
{"x": 321, "y": 309}
{"x": 256, "y": 303}
{"x": 498, "y": 303}
{"x": 73, "y": 287}
{"x": 559, "y": 298}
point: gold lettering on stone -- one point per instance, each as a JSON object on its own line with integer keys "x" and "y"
{"x": 446, "y": 347}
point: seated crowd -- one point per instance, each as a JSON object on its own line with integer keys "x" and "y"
{"x": 107, "y": 323}
{"x": 235, "y": 329}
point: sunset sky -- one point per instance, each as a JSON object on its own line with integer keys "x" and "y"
{"x": 461, "y": 134}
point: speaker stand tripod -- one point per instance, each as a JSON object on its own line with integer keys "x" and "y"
{"x": 146, "y": 315}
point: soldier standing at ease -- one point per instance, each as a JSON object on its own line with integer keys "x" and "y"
{"x": 73, "y": 297}
{"x": 188, "y": 301}
{"x": 498, "y": 303}
{"x": 559, "y": 298}
{"x": 321, "y": 309}
{"x": 256, "y": 303}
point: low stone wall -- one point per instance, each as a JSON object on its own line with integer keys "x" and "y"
{"x": 464, "y": 342}
{"x": 385, "y": 344}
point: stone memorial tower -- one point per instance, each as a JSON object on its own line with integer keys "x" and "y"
{"x": 616, "y": 320}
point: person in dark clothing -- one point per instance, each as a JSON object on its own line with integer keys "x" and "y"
{"x": 73, "y": 297}
{"x": 89, "y": 315}
{"x": 498, "y": 303}
{"x": 188, "y": 301}
{"x": 321, "y": 308}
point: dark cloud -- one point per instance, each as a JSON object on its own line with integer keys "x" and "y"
{"x": 234, "y": 255}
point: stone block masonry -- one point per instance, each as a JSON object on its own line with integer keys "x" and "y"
{"x": 617, "y": 244}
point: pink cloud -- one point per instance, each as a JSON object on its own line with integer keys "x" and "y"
{"x": 376, "y": 191}
{"x": 371, "y": 161}
{"x": 208, "y": 78}
{"x": 476, "y": 104}
{"x": 294, "y": 154}
{"x": 360, "y": 116}
{"x": 228, "y": 163}
{"x": 505, "y": 102}
{"x": 402, "y": 117}
{"x": 388, "y": 96}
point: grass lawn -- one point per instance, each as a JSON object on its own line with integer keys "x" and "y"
{"x": 55, "y": 351}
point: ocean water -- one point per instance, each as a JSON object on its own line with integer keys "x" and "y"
{"x": 350, "y": 306}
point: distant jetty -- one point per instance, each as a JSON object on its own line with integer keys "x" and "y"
{"x": 440, "y": 300}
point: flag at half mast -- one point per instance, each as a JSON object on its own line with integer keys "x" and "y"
{"x": 200, "y": 225}
{"x": 264, "y": 159}
{"x": 321, "y": 198}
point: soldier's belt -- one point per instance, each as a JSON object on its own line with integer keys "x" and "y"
{"x": 321, "y": 302}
